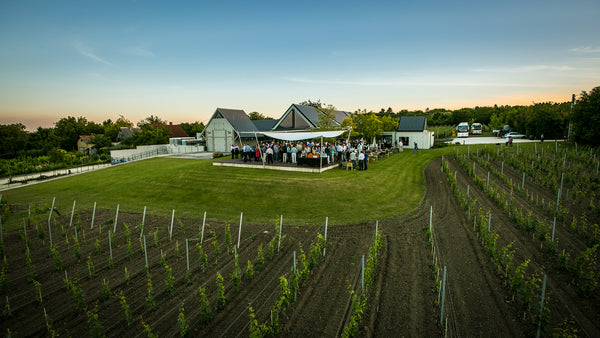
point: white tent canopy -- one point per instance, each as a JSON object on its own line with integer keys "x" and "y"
{"x": 297, "y": 136}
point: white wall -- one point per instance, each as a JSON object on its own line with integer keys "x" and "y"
{"x": 142, "y": 152}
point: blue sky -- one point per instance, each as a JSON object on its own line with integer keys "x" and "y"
{"x": 181, "y": 60}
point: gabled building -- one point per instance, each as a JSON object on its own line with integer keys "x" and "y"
{"x": 175, "y": 129}
{"x": 411, "y": 129}
{"x": 125, "y": 133}
{"x": 227, "y": 127}
{"x": 85, "y": 144}
{"x": 305, "y": 118}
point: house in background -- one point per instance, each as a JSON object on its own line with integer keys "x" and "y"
{"x": 85, "y": 145}
{"x": 411, "y": 129}
{"x": 305, "y": 118}
{"x": 175, "y": 129}
{"x": 125, "y": 133}
{"x": 227, "y": 127}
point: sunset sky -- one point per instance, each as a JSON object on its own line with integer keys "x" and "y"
{"x": 181, "y": 60}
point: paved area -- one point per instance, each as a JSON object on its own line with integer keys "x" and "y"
{"x": 492, "y": 140}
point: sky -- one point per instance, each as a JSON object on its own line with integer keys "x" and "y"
{"x": 181, "y": 60}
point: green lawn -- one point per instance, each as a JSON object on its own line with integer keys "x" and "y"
{"x": 390, "y": 187}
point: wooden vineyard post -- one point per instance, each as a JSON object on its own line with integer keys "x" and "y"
{"x": 116, "y": 218}
{"x": 202, "y": 233}
{"x": 487, "y": 184}
{"x": 143, "y": 221}
{"x": 110, "y": 246}
{"x": 279, "y": 239}
{"x": 489, "y": 222}
{"x": 171, "y": 229}
{"x": 240, "y": 230}
{"x": 72, "y": 213}
{"x": 376, "y": 228}
{"x": 146, "y": 255}
{"x": 187, "y": 254}
{"x": 25, "y": 232}
{"x": 430, "y": 216}
{"x": 443, "y": 295}
{"x": 295, "y": 289}
{"x": 93, "y": 216}
{"x": 523, "y": 182}
{"x": 49, "y": 218}
{"x": 541, "y": 307}
{"x": 553, "y": 228}
{"x": 362, "y": 275}
{"x": 324, "y": 247}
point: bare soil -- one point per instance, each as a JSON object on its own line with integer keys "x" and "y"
{"x": 403, "y": 299}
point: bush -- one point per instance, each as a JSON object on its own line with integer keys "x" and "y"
{"x": 217, "y": 154}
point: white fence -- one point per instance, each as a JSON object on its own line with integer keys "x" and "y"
{"x": 142, "y": 152}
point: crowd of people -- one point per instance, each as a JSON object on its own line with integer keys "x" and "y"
{"x": 356, "y": 152}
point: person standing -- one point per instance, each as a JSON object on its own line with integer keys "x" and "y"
{"x": 361, "y": 160}
{"x": 400, "y": 146}
{"x": 247, "y": 151}
{"x": 542, "y": 138}
{"x": 416, "y": 148}
{"x": 294, "y": 153}
{"x": 366, "y": 159}
{"x": 353, "y": 159}
{"x": 269, "y": 155}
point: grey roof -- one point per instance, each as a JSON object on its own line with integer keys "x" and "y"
{"x": 312, "y": 114}
{"x": 238, "y": 119}
{"x": 264, "y": 125}
{"x": 412, "y": 123}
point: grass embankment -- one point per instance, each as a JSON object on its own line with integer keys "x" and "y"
{"x": 391, "y": 187}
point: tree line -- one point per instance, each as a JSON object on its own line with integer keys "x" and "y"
{"x": 548, "y": 118}
{"x": 581, "y": 115}
{"x": 16, "y": 141}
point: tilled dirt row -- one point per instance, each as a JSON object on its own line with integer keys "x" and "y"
{"x": 564, "y": 299}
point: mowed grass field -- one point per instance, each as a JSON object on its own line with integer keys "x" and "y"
{"x": 392, "y": 186}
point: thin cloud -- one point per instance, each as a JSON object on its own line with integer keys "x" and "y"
{"x": 138, "y": 51}
{"x": 85, "y": 51}
{"x": 416, "y": 83}
{"x": 586, "y": 49}
{"x": 524, "y": 69}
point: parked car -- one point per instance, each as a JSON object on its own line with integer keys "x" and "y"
{"x": 514, "y": 134}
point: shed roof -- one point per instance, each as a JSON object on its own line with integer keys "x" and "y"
{"x": 412, "y": 123}
{"x": 238, "y": 119}
{"x": 264, "y": 125}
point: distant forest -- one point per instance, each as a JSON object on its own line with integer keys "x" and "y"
{"x": 550, "y": 119}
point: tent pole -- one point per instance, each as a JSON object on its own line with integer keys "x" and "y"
{"x": 259, "y": 150}
{"x": 321, "y": 155}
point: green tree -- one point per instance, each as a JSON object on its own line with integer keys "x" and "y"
{"x": 111, "y": 129}
{"x": 368, "y": 125}
{"x": 13, "y": 140}
{"x": 462, "y": 115}
{"x": 327, "y": 119}
{"x": 586, "y": 117}
{"x": 389, "y": 123}
{"x": 149, "y": 134}
{"x": 151, "y": 120}
{"x": 192, "y": 128}
{"x": 68, "y": 129}
{"x": 258, "y": 116}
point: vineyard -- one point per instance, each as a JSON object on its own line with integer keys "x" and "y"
{"x": 504, "y": 242}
